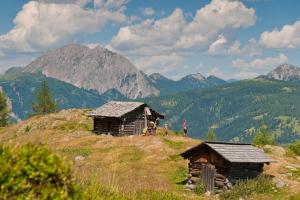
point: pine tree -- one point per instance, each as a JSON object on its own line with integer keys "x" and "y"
{"x": 211, "y": 135}
{"x": 44, "y": 102}
{"x": 3, "y": 110}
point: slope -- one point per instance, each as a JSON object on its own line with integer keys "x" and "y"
{"x": 126, "y": 164}
{"x": 20, "y": 88}
{"x": 236, "y": 110}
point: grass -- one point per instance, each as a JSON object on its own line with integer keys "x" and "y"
{"x": 77, "y": 151}
{"x": 131, "y": 154}
{"x": 295, "y": 197}
{"x": 174, "y": 144}
{"x": 123, "y": 168}
{"x": 260, "y": 185}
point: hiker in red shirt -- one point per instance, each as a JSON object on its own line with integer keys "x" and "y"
{"x": 184, "y": 126}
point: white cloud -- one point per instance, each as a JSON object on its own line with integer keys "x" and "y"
{"x": 216, "y": 72}
{"x": 287, "y": 37}
{"x": 148, "y": 11}
{"x": 224, "y": 47}
{"x": 41, "y": 25}
{"x": 213, "y": 19}
{"x": 261, "y": 64}
{"x": 244, "y": 75}
{"x": 159, "y": 63}
{"x": 232, "y": 75}
{"x": 176, "y": 33}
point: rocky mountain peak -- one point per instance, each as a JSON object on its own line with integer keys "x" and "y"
{"x": 94, "y": 68}
{"x": 285, "y": 72}
{"x": 195, "y": 77}
{"x": 157, "y": 76}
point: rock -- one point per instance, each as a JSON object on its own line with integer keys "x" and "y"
{"x": 278, "y": 183}
{"x": 130, "y": 136}
{"x": 190, "y": 186}
{"x": 94, "y": 68}
{"x": 208, "y": 193}
{"x": 298, "y": 157}
{"x": 79, "y": 158}
{"x": 289, "y": 174}
{"x": 276, "y": 150}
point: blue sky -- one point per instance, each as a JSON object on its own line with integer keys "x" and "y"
{"x": 229, "y": 39}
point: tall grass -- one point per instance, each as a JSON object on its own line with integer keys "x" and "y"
{"x": 260, "y": 185}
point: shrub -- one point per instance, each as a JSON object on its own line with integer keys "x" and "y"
{"x": 200, "y": 189}
{"x": 180, "y": 175}
{"x": 211, "y": 135}
{"x": 295, "y": 148}
{"x": 263, "y": 137}
{"x": 33, "y": 172}
{"x": 27, "y": 128}
{"x": 260, "y": 185}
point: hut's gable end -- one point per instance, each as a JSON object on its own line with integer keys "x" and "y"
{"x": 207, "y": 155}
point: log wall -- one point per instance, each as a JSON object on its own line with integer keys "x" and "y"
{"x": 226, "y": 174}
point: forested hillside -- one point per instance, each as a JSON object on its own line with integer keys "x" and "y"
{"x": 20, "y": 88}
{"x": 236, "y": 110}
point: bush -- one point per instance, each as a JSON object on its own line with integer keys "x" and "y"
{"x": 33, "y": 172}
{"x": 200, "y": 189}
{"x": 295, "y": 148}
{"x": 263, "y": 137}
{"x": 211, "y": 135}
{"x": 260, "y": 185}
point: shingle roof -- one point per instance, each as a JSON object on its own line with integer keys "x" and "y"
{"x": 115, "y": 109}
{"x": 234, "y": 152}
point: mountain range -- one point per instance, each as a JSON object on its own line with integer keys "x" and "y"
{"x": 79, "y": 76}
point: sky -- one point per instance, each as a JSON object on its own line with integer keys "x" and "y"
{"x": 227, "y": 38}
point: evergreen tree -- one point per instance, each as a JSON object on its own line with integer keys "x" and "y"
{"x": 263, "y": 137}
{"x": 3, "y": 110}
{"x": 44, "y": 102}
{"x": 211, "y": 135}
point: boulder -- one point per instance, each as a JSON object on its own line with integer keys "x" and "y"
{"x": 278, "y": 183}
{"x": 79, "y": 158}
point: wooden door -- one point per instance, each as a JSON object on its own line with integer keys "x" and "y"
{"x": 208, "y": 176}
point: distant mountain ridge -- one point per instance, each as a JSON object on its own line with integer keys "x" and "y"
{"x": 97, "y": 68}
{"x": 285, "y": 72}
{"x": 102, "y": 70}
{"x": 167, "y": 86}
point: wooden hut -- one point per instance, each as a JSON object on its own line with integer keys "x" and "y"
{"x": 219, "y": 165}
{"x": 118, "y": 118}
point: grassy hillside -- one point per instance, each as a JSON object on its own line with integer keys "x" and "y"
{"x": 20, "y": 88}
{"x": 125, "y": 165}
{"x": 236, "y": 110}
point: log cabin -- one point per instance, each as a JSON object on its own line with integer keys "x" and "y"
{"x": 123, "y": 118}
{"x": 219, "y": 165}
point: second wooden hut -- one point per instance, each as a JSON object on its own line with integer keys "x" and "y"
{"x": 219, "y": 165}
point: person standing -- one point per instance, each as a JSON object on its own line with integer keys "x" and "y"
{"x": 166, "y": 129}
{"x": 185, "y": 128}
